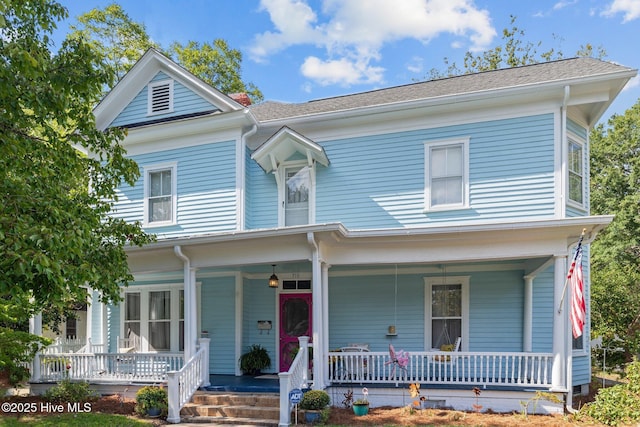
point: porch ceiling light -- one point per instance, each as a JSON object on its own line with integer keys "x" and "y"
{"x": 273, "y": 280}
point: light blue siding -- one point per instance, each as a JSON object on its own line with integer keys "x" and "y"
{"x": 542, "y": 333}
{"x": 378, "y": 181}
{"x": 113, "y": 327}
{"x": 259, "y": 304}
{"x": 577, "y": 129}
{"x": 217, "y": 310}
{"x": 263, "y": 203}
{"x": 362, "y": 308}
{"x": 185, "y": 102}
{"x": 206, "y": 190}
{"x": 95, "y": 329}
{"x": 495, "y": 311}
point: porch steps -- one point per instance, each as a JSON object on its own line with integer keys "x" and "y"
{"x": 251, "y": 409}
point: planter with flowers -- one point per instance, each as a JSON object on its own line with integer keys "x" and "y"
{"x": 361, "y": 406}
{"x": 314, "y": 402}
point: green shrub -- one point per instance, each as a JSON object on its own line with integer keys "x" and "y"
{"x": 149, "y": 397}
{"x": 619, "y": 404}
{"x": 315, "y": 399}
{"x": 67, "y": 391}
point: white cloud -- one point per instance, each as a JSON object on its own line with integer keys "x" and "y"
{"x": 564, "y": 3}
{"x": 353, "y": 32}
{"x": 630, "y": 8}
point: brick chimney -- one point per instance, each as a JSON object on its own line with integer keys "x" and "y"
{"x": 241, "y": 98}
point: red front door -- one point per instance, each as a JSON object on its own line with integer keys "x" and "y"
{"x": 295, "y": 321}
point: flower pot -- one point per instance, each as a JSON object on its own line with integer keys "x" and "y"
{"x": 360, "y": 409}
{"x": 311, "y": 416}
{"x": 153, "y": 412}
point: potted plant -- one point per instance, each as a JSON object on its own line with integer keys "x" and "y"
{"x": 361, "y": 406}
{"x": 313, "y": 402}
{"x": 151, "y": 401}
{"x": 255, "y": 360}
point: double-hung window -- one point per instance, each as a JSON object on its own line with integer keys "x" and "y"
{"x": 576, "y": 172}
{"x": 446, "y": 174}
{"x": 160, "y": 194}
{"x": 447, "y": 310}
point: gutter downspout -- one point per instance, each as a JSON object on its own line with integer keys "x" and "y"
{"x": 189, "y": 309}
{"x": 317, "y": 313}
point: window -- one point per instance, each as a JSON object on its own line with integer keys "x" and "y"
{"x": 447, "y": 310}
{"x": 446, "y": 174}
{"x": 296, "y": 195}
{"x": 154, "y": 316}
{"x": 576, "y": 172}
{"x": 160, "y": 195}
{"x": 160, "y": 97}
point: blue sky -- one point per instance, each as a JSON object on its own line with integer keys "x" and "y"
{"x": 299, "y": 50}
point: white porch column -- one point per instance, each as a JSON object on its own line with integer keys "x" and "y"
{"x": 239, "y": 293}
{"x": 35, "y": 328}
{"x": 89, "y": 326}
{"x": 317, "y": 314}
{"x": 558, "y": 373}
{"x": 191, "y": 313}
{"x": 325, "y": 320}
{"x": 527, "y": 333}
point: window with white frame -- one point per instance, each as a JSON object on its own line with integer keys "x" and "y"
{"x": 447, "y": 311}
{"x": 296, "y": 194}
{"x": 576, "y": 172}
{"x": 160, "y": 97}
{"x": 154, "y": 316}
{"x": 160, "y": 185}
{"x": 446, "y": 174}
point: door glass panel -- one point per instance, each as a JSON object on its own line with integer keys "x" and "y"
{"x": 295, "y": 321}
{"x": 298, "y": 185}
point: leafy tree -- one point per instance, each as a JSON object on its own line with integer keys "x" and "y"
{"x": 514, "y": 51}
{"x": 216, "y": 64}
{"x": 58, "y": 176}
{"x": 123, "y": 41}
{"x": 615, "y": 189}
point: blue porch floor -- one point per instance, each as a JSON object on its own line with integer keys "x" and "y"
{"x": 244, "y": 384}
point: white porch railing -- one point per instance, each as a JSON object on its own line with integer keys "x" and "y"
{"x": 463, "y": 368}
{"x": 139, "y": 367}
{"x": 183, "y": 383}
{"x": 64, "y": 345}
{"x": 295, "y": 377}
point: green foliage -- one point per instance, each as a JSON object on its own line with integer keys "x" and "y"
{"x": 149, "y": 397}
{"x": 67, "y": 391}
{"x": 56, "y": 236}
{"x": 255, "y": 359}
{"x": 216, "y": 64}
{"x": 122, "y": 41}
{"x": 514, "y": 51}
{"x": 81, "y": 419}
{"x": 619, "y": 404}
{"x": 540, "y": 395}
{"x": 315, "y": 400}
{"x": 615, "y": 255}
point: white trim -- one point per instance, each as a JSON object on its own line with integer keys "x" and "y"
{"x": 428, "y": 145}
{"x": 173, "y": 166}
{"x": 150, "y": 87}
{"x": 446, "y": 280}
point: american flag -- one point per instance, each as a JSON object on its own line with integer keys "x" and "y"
{"x": 578, "y": 309}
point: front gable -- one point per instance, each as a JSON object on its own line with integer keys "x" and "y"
{"x": 157, "y": 90}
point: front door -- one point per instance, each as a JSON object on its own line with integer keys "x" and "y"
{"x": 295, "y": 321}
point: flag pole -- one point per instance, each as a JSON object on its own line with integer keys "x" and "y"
{"x": 573, "y": 264}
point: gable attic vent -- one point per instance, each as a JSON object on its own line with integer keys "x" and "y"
{"x": 160, "y": 97}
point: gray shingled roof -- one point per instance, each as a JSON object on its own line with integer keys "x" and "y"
{"x": 547, "y": 72}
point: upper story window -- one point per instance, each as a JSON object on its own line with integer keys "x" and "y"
{"x": 576, "y": 172}
{"x": 160, "y": 97}
{"x": 160, "y": 195}
{"x": 446, "y": 174}
{"x": 297, "y": 193}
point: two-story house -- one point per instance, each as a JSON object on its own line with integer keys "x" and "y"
{"x": 436, "y": 213}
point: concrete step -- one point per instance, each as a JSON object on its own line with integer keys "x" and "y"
{"x": 255, "y": 409}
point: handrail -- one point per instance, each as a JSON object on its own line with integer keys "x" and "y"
{"x": 183, "y": 383}
{"x": 295, "y": 377}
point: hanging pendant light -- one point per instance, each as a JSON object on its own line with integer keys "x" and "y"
{"x": 273, "y": 280}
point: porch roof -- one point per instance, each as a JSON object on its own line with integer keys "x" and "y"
{"x": 342, "y": 246}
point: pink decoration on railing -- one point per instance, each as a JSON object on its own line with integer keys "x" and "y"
{"x": 400, "y": 359}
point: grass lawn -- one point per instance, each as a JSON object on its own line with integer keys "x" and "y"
{"x": 71, "y": 420}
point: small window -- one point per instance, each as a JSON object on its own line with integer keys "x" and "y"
{"x": 160, "y": 195}
{"x": 576, "y": 172}
{"x": 160, "y": 98}
{"x": 446, "y": 174}
{"x": 296, "y": 284}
